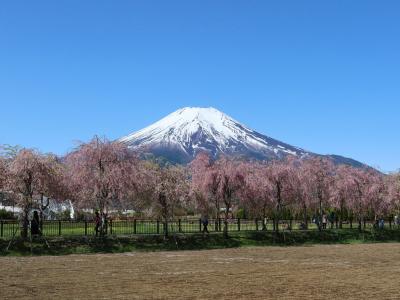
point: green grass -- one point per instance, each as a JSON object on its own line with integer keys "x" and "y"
{"x": 66, "y": 228}
{"x": 117, "y": 244}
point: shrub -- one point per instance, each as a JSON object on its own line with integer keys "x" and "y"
{"x": 6, "y": 215}
{"x": 240, "y": 213}
{"x": 83, "y": 216}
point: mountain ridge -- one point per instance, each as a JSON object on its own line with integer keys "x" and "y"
{"x": 182, "y": 134}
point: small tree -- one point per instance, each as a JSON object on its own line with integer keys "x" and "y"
{"x": 341, "y": 191}
{"x": 393, "y": 187}
{"x": 377, "y": 195}
{"x": 168, "y": 189}
{"x": 231, "y": 182}
{"x": 53, "y": 185}
{"x": 257, "y": 194}
{"x": 320, "y": 174}
{"x": 30, "y": 173}
{"x": 300, "y": 187}
{"x": 281, "y": 177}
{"x": 206, "y": 180}
{"x": 101, "y": 174}
{"x": 359, "y": 184}
{"x": 3, "y": 173}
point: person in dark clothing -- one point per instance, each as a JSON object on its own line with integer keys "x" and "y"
{"x": 204, "y": 221}
{"x": 302, "y": 226}
{"x": 97, "y": 223}
{"x": 35, "y": 224}
{"x": 331, "y": 219}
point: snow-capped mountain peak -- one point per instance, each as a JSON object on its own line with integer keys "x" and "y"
{"x": 191, "y": 129}
{"x": 182, "y": 124}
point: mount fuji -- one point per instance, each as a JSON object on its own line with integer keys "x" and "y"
{"x": 179, "y": 136}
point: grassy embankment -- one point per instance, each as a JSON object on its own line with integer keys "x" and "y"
{"x": 74, "y": 245}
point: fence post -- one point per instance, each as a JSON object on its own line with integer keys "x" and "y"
{"x": 158, "y": 226}
{"x": 165, "y": 227}
{"x": 179, "y": 225}
{"x": 111, "y": 230}
{"x": 85, "y": 227}
{"x": 256, "y": 224}
{"x": 200, "y": 225}
{"x": 219, "y": 224}
{"x": 238, "y": 221}
{"x": 1, "y": 228}
{"x": 59, "y": 227}
{"x": 134, "y": 226}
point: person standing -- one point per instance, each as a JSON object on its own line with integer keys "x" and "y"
{"x": 104, "y": 224}
{"x": 35, "y": 224}
{"x": 376, "y": 223}
{"x": 331, "y": 219}
{"x": 204, "y": 221}
{"x": 381, "y": 223}
{"x": 97, "y": 223}
{"x": 324, "y": 221}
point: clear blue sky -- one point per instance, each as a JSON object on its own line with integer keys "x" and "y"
{"x": 322, "y": 75}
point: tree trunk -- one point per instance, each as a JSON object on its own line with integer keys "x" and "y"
{"x": 274, "y": 223}
{"x": 226, "y": 215}
{"x": 305, "y": 219}
{"x": 25, "y": 218}
{"x": 42, "y": 208}
{"x": 359, "y": 208}
{"x": 341, "y": 215}
{"x": 225, "y": 228}
{"x": 351, "y": 222}
{"x": 279, "y": 200}
{"x": 41, "y": 213}
{"x": 277, "y": 219}
{"x": 217, "y": 208}
{"x": 336, "y": 221}
{"x": 320, "y": 213}
{"x": 25, "y": 223}
{"x": 165, "y": 228}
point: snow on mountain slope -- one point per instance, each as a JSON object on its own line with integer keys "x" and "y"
{"x": 191, "y": 129}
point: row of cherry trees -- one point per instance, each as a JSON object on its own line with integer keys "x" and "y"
{"x": 97, "y": 175}
{"x": 300, "y": 187}
{"x": 103, "y": 175}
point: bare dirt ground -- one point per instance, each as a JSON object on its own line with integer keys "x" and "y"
{"x": 365, "y": 271}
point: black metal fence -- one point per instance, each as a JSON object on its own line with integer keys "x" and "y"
{"x": 9, "y": 228}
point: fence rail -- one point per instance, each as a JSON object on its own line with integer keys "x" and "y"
{"x": 8, "y": 228}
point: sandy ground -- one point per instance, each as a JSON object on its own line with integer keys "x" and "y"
{"x": 369, "y": 271}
